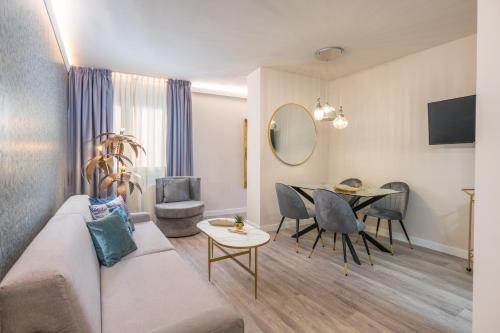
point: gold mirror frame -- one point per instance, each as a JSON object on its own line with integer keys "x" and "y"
{"x": 269, "y": 135}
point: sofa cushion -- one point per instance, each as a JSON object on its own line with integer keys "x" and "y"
{"x": 177, "y": 210}
{"x": 152, "y": 291}
{"x": 99, "y": 211}
{"x": 112, "y": 238}
{"x": 176, "y": 189}
{"x": 55, "y": 284}
{"x": 76, "y": 204}
{"x": 99, "y": 201}
{"x": 149, "y": 239}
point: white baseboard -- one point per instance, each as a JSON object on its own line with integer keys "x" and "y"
{"x": 454, "y": 251}
{"x": 228, "y": 211}
{"x": 286, "y": 224}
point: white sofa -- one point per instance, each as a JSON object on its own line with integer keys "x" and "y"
{"x": 57, "y": 285}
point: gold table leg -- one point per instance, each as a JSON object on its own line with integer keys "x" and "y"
{"x": 255, "y": 273}
{"x": 471, "y": 193}
{"x": 469, "y": 245}
{"x": 233, "y": 256}
{"x": 210, "y": 249}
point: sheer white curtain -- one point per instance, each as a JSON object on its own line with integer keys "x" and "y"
{"x": 140, "y": 106}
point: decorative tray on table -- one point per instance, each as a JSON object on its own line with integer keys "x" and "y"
{"x": 346, "y": 188}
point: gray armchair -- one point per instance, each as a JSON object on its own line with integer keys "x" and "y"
{"x": 335, "y": 214}
{"x": 292, "y": 206}
{"x": 392, "y": 207}
{"x": 178, "y": 205}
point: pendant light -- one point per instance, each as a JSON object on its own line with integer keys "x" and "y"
{"x": 318, "y": 110}
{"x": 326, "y": 112}
{"x": 340, "y": 122}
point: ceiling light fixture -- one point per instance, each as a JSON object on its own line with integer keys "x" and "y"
{"x": 326, "y": 112}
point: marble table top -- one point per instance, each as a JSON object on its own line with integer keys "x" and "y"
{"x": 253, "y": 238}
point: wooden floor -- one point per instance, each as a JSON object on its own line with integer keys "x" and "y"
{"x": 413, "y": 291}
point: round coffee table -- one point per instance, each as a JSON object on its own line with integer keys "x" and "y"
{"x": 222, "y": 238}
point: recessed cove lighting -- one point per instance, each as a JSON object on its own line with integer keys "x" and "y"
{"x": 219, "y": 89}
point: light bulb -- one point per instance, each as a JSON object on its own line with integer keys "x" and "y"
{"x": 318, "y": 111}
{"x": 327, "y": 108}
{"x": 340, "y": 122}
{"x": 99, "y": 148}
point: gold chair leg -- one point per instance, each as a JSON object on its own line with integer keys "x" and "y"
{"x": 346, "y": 269}
{"x": 297, "y": 246}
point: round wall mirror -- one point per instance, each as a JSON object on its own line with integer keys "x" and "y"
{"x": 292, "y": 134}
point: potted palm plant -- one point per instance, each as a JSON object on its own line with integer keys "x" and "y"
{"x": 112, "y": 161}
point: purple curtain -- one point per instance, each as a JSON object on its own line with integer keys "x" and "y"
{"x": 179, "y": 129}
{"x": 90, "y": 113}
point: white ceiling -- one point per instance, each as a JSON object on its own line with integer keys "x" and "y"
{"x": 224, "y": 40}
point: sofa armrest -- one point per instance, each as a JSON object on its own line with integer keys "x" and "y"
{"x": 140, "y": 217}
{"x": 220, "y": 320}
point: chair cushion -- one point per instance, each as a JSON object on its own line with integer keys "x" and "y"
{"x": 176, "y": 189}
{"x": 152, "y": 291}
{"x": 385, "y": 214}
{"x": 181, "y": 209}
{"x": 55, "y": 284}
{"x": 149, "y": 239}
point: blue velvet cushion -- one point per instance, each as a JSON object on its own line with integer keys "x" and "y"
{"x": 176, "y": 189}
{"x": 99, "y": 201}
{"x": 124, "y": 217}
{"x": 111, "y": 238}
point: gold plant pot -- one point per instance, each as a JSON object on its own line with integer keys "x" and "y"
{"x": 239, "y": 226}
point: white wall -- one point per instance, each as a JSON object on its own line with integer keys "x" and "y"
{"x": 269, "y": 89}
{"x": 218, "y": 151}
{"x": 387, "y": 138}
{"x": 487, "y": 224}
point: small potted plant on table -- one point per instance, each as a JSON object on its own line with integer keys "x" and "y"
{"x": 238, "y": 222}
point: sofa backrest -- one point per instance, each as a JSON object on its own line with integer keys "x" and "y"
{"x": 194, "y": 187}
{"x": 76, "y": 204}
{"x": 55, "y": 284}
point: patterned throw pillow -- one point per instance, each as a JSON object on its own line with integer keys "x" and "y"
{"x": 118, "y": 202}
{"x": 99, "y": 211}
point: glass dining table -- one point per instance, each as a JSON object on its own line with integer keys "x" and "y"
{"x": 363, "y": 197}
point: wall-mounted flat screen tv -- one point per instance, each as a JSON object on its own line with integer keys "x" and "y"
{"x": 452, "y": 121}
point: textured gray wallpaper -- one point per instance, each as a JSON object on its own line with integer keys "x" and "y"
{"x": 33, "y": 97}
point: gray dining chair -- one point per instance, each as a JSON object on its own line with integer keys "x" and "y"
{"x": 335, "y": 214}
{"x": 390, "y": 208}
{"x": 354, "y": 182}
{"x": 291, "y": 206}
